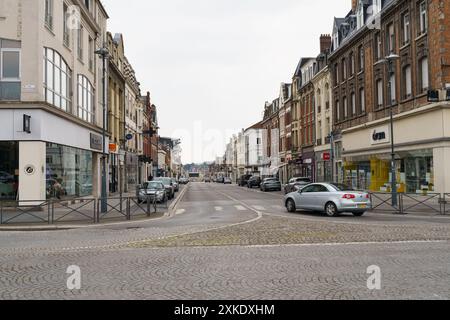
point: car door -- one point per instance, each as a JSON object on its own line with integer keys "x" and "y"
{"x": 303, "y": 198}
{"x": 320, "y": 197}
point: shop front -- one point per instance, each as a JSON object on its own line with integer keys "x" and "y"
{"x": 414, "y": 172}
{"x": 324, "y": 166}
{"x": 422, "y": 150}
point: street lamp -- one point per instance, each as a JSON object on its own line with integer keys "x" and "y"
{"x": 104, "y": 54}
{"x": 389, "y": 60}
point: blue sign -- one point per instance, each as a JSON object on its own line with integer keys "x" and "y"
{"x": 129, "y": 136}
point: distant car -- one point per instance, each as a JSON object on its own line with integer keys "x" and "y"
{"x": 176, "y": 185}
{"x": 296, "y": 184}
{"x": 331, "y": 198}
{"x": 227, "y": 181}
{"x": 184, "y": 181}
{"x": 207, "y": 180}
{"x": 152, "y": 190}
{"x": 243, "y": 180}
{"x": 270, "y": 184}
{"x": 168, "y": 184}
{"x": 220, "y": 180}
{"x": 254, "y": 182}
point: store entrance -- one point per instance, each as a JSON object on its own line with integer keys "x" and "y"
{"x": 9, "y": 170}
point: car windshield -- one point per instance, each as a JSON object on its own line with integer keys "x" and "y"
{"x": 271, "y": 180}
{"x": 341, "y": 187}
{"x": 165, "y": 181}
{"x": 154, "y": 186}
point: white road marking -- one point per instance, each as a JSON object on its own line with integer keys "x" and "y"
{"x": 240, "y": 208}
{"x": 180, "y": 211}
{"x": 218, "y": 208}
{"x": 278, "y": 207}
{"x": 259, "y": 208}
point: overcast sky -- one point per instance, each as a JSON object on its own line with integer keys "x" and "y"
{"x": 210, "y": 65}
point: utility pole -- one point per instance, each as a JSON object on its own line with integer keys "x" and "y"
{"x": 104, "y": 54}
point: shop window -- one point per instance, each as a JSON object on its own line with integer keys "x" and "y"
{"x": 9, "y": 170}
{"x": 69, "y": 172}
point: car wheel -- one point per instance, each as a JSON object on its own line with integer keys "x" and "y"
{"x": 358, "y": 214}
{"x": 331, "y": 209}
{"x": 290, "y": 206}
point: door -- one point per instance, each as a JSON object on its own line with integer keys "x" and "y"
{"x": 304, "y": 200}
{"x": 319, "y": 197}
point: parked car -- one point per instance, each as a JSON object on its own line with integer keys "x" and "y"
{"x": 243, "y": 180}
{"x": 220, "y": 180}
{"x": 270, "y": 184}
{"x": 207, "y": 180}
{"x": 333, "y": 199}
{"x": 295, "y": 184}
{"x": 176, "y": 185}
{"x": 184, "y": 181}
{"x": 254, "y": 182}
{"x": 168, "y": 184}
{"x": 151, "y": 190}
{"x": 227, "y": 181}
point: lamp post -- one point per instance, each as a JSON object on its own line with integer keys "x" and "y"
{"x": 104, "y": 54}
{"x": 389, "y": 60}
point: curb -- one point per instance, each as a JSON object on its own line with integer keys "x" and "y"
{"x": 28, "y": 228}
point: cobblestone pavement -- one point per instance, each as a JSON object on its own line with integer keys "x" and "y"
{"x": 225, "y": 242}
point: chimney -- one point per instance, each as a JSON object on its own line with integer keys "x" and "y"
{"x": 354, "y": 5}
{"x": 325, "y": 43}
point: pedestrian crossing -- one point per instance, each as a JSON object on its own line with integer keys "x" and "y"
{"x": 254, "y": 207}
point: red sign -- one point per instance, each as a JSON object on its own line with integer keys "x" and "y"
{"x": 326, "y": 156}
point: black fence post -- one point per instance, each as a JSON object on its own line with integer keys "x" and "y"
{"x": 1, "y": 212}
{"x": 148, "y": 206}
{"x": 128, "y": 209}
{"x": 49, "y": 204}
{"x": 97, "y": 214}
{"x": 53, "y": 211}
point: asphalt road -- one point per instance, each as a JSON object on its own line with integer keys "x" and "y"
{"x": 226, "y": 242}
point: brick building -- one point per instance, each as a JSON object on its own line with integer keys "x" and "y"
{"x": 418, "y": 32}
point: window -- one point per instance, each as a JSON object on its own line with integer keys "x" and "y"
{"x": 393, "y": 86}
{"x": 352, "y": 64}
{"x": 49, "y": 14}
{"x": 10, "y": 65}
{"x": 80, "y": 42}
{"x": 338, "y": 111}
{"x": 336, "y": 74}
{"x": 344, "y": 69}
{"x": 378, "y": 48}
{"x": 57, "y": 80}
{"x": 361, "y": 58}
{"x": 353, "y": 103}
{"x": 91, "y": 54}
{"x": 406, "y": 28}
{"x": 362, "y": 100}
{"x": 423, "y": 17}
{"x": 390, "y": 41}
{"x": 66, "y": 31}
{"x": 85, "y": 99}
{"x": 424, "y": 74}
{"x": 345, "y": 108}
{"x": 407, "y": 81}
{"x": 380, "y": 93}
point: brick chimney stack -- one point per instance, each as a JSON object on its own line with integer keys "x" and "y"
{"x": 325, "y": 43}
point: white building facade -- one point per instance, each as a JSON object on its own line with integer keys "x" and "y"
{"x": 50, "y": 93}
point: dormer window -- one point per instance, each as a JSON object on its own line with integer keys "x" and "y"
{"x": 360, "y": 15}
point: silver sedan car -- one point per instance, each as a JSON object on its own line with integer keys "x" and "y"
{"x": 152, "y": 191}
{"x": 332, "y": 199}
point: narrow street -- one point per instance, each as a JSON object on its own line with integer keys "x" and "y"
{"x": 226, "y": 242}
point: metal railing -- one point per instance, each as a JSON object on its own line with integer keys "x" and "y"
{"x": 79, "y": 210}
{"x": 412, "y": 203}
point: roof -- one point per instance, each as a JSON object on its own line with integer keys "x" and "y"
{"x": 300, "y": 64}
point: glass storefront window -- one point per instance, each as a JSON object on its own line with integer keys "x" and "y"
{"x": 69, "y": 172}
{"x": 9, "y": 170}
{"x": 414, "y": 172}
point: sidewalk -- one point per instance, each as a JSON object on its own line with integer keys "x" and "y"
{"x": 82, "y": 214}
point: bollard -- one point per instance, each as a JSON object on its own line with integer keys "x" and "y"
{"x": 128, "y": 209}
